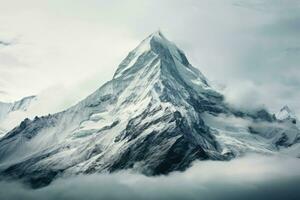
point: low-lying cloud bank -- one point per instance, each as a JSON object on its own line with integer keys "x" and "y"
{"x": 251, "y": 177}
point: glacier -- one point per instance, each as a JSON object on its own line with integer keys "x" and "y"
{"x": 156, "y": 115}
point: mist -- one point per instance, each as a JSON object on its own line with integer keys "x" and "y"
{"x": 251, "y": 46}
{"x": 250, "y": 177}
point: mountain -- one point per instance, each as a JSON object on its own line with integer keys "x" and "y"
{"x": 2, "y": 132}
{"x": 8, "y": 108}
{"x": 157, "y": 115}
{"x": 286, "y": 114}
{"x": 23, "y": 104}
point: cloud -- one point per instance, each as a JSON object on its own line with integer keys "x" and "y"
{"x": 248, "y": 95}
{"x": 251, "y": 177}
{"x": 244, "y": 95}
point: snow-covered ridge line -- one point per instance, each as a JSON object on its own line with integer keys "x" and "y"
{"x": 22, "y": 104}
{"x": 7, "y": 108}
{"x": 157, "y": 115}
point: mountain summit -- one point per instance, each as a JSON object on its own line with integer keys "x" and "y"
{"x": 286, "y": 113}
{"x": 156, "y": 48}
{"x": 157, "y": 115}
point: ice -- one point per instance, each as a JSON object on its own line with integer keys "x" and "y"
{"x": 157, "y": 109}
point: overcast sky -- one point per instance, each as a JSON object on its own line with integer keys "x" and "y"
{"x": 250, "y": 46}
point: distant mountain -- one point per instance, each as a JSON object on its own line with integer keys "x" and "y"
{"x": 2, "y": 132}
{"x": 8, "y": 108}
{"x": 286, "y": 114}
{"x": 157, "y": 115}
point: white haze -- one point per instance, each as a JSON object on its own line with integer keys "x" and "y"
{"x": 252, "y": 46}
{"x": 251, "y": 177}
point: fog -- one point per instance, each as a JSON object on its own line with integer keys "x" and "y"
{"x": 251, "y": 177}
{"x": 251, "y": 46}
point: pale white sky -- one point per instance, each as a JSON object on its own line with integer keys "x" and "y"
{"x": 69, "y": 48}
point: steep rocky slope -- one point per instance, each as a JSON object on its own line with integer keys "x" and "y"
{"x": 157, "y": 115}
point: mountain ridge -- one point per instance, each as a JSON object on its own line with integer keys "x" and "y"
{"x": 8, "y": 108}
{"x": 157, "y": 115}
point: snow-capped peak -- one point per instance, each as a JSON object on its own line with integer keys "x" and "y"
{"x": 286, "y": 113}
{"x": 157, "y": 115}
{"x": 156, "y": 48}
{"x": 157, "y": 34}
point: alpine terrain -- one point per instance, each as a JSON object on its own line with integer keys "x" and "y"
{"x": 158, "y": 114}
{"x": 7, "y": 109}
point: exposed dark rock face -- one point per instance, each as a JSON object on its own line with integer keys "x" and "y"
{"x": 148, "y": 118}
